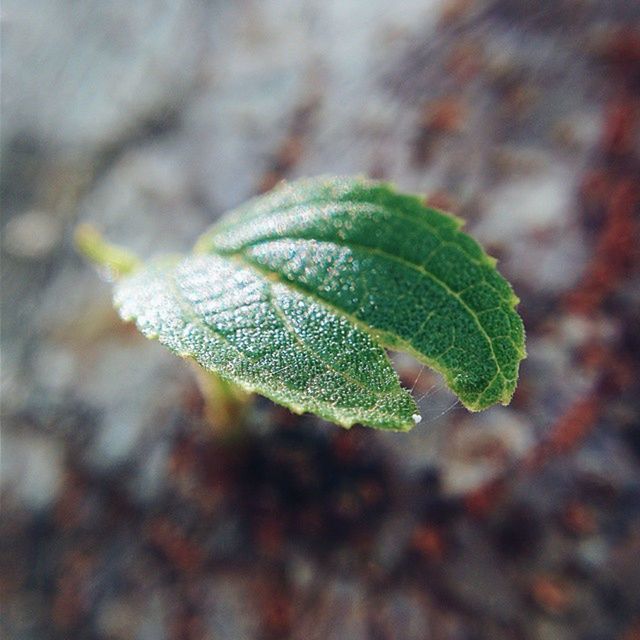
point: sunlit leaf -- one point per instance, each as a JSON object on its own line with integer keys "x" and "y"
{"x": 297, "y": 294}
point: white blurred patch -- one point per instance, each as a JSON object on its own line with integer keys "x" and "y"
{"x": 32, "y": 235}
{"x": 31, "y": 468}
{"x": 532, "y": 219}
{"x": 519, "y": 207}
{"x": 481, "y": 447}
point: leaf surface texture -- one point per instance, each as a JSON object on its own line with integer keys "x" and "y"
{"x": 296, "y": 295}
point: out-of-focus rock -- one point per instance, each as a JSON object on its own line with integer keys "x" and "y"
{"x": 229, "y": 613}
{"x": 32, "y": 467}
{"x": 32, "y": 235}
{"x": 338, "y": 614}
{"x": 82, "y": 76}
{"x": 402, "y": 616}
{"x": 479, "y": 449}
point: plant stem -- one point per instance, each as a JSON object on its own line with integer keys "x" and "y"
{"x": 92, "y": 245}
{"x": 225, "y": 404}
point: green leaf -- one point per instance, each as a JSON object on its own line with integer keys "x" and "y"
{"x": 267, "y": 338}
{"x": 402, "y": 271}
{"x": 296, "y": 295}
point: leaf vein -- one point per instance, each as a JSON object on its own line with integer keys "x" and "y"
{"x": 415, "y": 267}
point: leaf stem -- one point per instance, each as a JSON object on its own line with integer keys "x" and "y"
{"x": 90, "y": 243}
{"x": 225, "y": 404}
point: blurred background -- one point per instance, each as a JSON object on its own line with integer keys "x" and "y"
{"x": 122, "y": 514}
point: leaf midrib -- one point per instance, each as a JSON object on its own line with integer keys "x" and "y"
{"x": 251, "y": 264}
